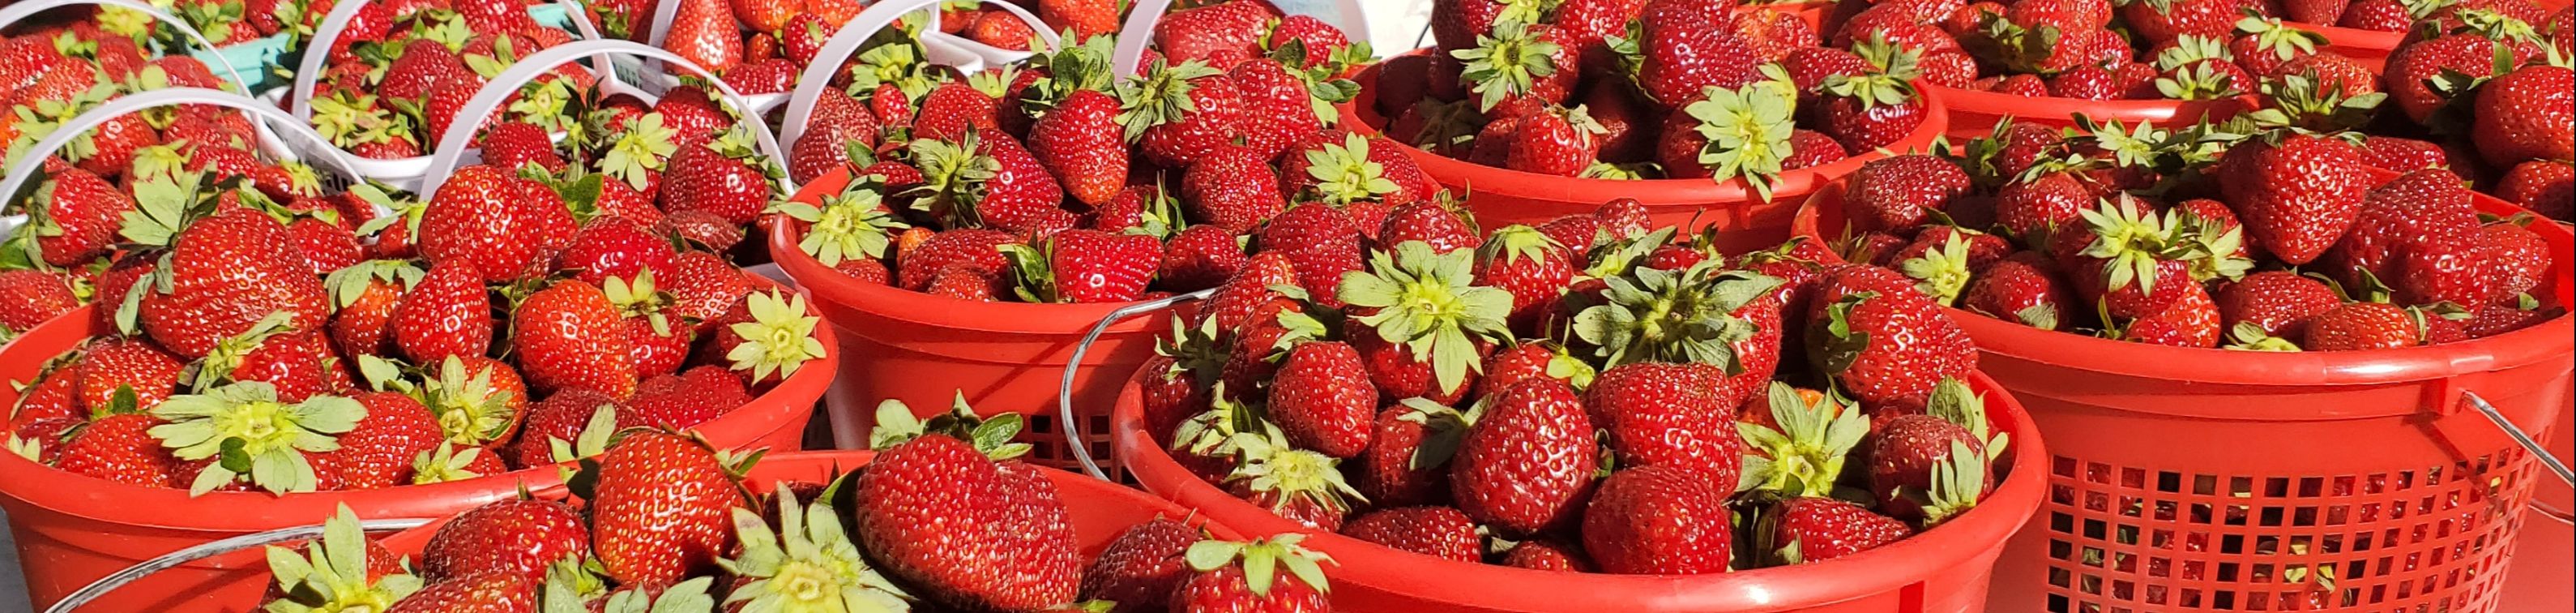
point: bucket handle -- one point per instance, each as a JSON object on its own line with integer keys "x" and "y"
{"x": 2520, "y": 437}
{"x": 12, "y": 14}
{"x": 327, "y": 33}
{"x": 817, "y": 75}
{"x": 202, "y": 551}
{"x": 1139, "y": 31}
{"x": 452, "y": 144}
{"x": 277, "y": 120}
{"x": 1071, "y": 426}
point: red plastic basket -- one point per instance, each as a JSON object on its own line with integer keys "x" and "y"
{"x": 71, "y": 529}
{"x": 1098, "y": 510}
{"x": 1944, "y": 570}
{"x": 1502, "y": 197}
{"x": 1005, "y": 357}
{"x": 2195, "y": 480}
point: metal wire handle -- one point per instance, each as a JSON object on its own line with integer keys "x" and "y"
{"x": 1064, "y": 391}
{"x": 167, "y": 561}
{"x": 2521, "y": 438}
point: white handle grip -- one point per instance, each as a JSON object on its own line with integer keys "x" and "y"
{"x": 14, "y": 13}
{"x": 284, "y": 124}
{"x": 1139, "y": 32}
{"x": 452, "y": 144}
{"x": 862, "y": 27}
{"x": 327, "y": 33}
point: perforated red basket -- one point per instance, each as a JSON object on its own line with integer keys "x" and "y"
{"x": 2206, "y": 480}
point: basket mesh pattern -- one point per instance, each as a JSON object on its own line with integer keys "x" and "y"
{"x": 1045, "y": 437}
{"x": 2128, "y": 539}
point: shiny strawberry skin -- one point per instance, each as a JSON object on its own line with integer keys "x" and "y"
{"x": 1527, "y": 466}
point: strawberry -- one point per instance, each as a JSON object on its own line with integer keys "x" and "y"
{"x": 1224, "y": 29}
{"x": 1245, "y": 577}
{"x": 511, "y": 144}
{"x": 2296, "y": 193}
{"x": 1659, "y": 520}
{"x": 1177, "y": 114}
{"x": 2402, "y": 155}
{"x": 518, "y": 537}
{"x": 1085, "y": 266}
{"x": 989, "y": 180}
{"x": 117, "y": 366}
{"x": 1279, "y": 105}
{"x": 1323, "y": 43}
{"x": 705, "y": 33}
{"x": 478, "y": 401}
{"x": 719, "y": 177}
{"x": 1081, "y": 142}
{"x": 1815, "y": 529}
{"x": 2416, "y": 238}
{"x": 379, "y": 451}
{"x": 1085, "y": 18}
{"x": 448, "y": 313}
{"x": 1200, "y": 257}
{"x": 1546, "y": 555}
{"x": 569, "y": 336}
{"x": 503, "y": 227}
{"x": 1729, "y": 310}
{"x": 1689, "y": 45}
{"x": 1901, "y": 191}
{"x": 2413, "y": 69}
{"x": 976, "y": 250}
{"x": 659, "y": 508}
{"x": 482, "y": 591}
{"x": 117, "y": 448}
{"x": 1927, "y": 469}
{"x": 326, "y": 246}
{"x": 2547, "y": 187}
{"x": 2185, "y": 319}
{"x": 2526, "y": 115}
{"x": 31, "y": 297}
{"x": 2516, "y": 259}
{"x": 2359, "y": 326}
{"x": 2157, "y": 22}
{"x": 938, "y": 513}
{"x": 1527, "y": 465}
{"x": 1882, "y": 341}
{"x": 1323, "y": 399}
{"x": 689, "y": 399}
{"x": 1518, "y": 68}
{"x": 1143, "y": 566}
{"x": 1549, "y": 142}
{"x": 1532, "y": 267}
{"x": 1663, "y": 414}
{"x": 1440, "y": 532}
{"x": 223, "y": 274}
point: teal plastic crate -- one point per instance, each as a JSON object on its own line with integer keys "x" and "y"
{"x": 259, "y": 62}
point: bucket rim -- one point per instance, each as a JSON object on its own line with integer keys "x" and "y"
{"x": 1980, "y": 532}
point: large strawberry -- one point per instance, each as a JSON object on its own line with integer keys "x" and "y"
{"x": 1081, "y": 265}
{"x": 942, "y": 514}
{"x": 505, "y": 227}
{"x": 2528, "y": 114}
{"x": 223, "y": 274}
{"x": 1527, "y": 465}
{"x": 569, "y": 336}
{"x": 1322, "y": 399}
{"x": 2296, "y": 193}
{"x": 1664, "y": 414}
{"x": 1688, "y": 45}
{"x": 1881, "y": 340}
{"x": 1178, "y": 113}
{"x": 1660, "y": 520}
{"x": 660, "y": 508}
{"x": 519, "y": 536}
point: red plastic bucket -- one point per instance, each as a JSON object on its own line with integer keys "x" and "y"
{"x": 72, "y": 529}
{"x": 1005, "y": 357}
{"x": 1503, "y": 197}
{"x": 2191, "y": 480}
{"x": 1974, "y": 113}
{"x": 1942, "y": 570}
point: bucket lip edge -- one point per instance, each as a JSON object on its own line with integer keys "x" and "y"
{"x": 951, "y": 313}
{"x": 2022, "y": 489}
{"x": 2522, "y": 348}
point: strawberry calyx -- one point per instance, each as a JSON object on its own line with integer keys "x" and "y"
{"x": 852, "y": 224}
{"x": 1428, "y": 302}
{"x": 1287, "y": 476}
{"x": 1212, "y": 433}
{"x": 953, "y": 177}
{"x": 2217, "y": 250}
{"x": 1343, "y": 173}
{"x": 807, "y": 564}
{"x": 1684, "y": 316}
{"x": 1954, "y": 402}
{"x": 2020, "y": 49}
{"x": 1160, "y": 96}
{"x": 593, "y": 440}
{"x": 448, "y": 462}
{"x": 2197, "y": 81}
{"x": 1507, "y": 63}
{"x": 639, "y": 298}
{"x": 2299, "y": 101}
{"x": 228, "y": 354}
{"x": 249, "y": 432}
{"x": 2131, "y": 242}
{"x": 1805, "y": 454}
{"x": 349, "y": 118}
{"x": 1958, "y": 484}
{"x": 1748, "y": 130}
{"x": 1194, "y": 351}
{"x": 331, "y": 573}
{"x": 639, "y": 151}
{"x": 897, "y": 424}
{"x": 1942, "y": 272}
{"x": 2272, "y": 34}
{"x": 1444, "y": 428}
{"x": 1077, "y": 67}
{"x": 469, "y": 409}
{"x": 1891, "y": 80}
{"x": 1259, "y": 558}
{"x": 778, "y": 340}
{"x": 2249, "y": 337}
{"x": 1446, "y": 124}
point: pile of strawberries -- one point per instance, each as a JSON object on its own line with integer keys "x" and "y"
{"x": 2092, "y": 50}
{"x": 398, "y": 75}
{"x": 2486, "y": 76}
{"x": 663, "y": 523}
{"x": 2208, "y": 236}
{"x": 1587, "y": 395}
{"x": 759, "y": 46}
{"x": 1645, "y": 89}
{"x": 2376, "y": 15}
{"x": 1058, "y": 182}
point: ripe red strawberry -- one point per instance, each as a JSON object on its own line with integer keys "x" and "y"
{"x": 2415, "y": 237}
{"x": 1527, "y": 465}
{"x": 1547, "y": 555}
{"x": 569, "y": 336}
{"x": 31, "y": 297}
{"x": 505, "y": 228}
{"x": 2528, "y": 114}
{"x": 1248, "y": 577}
{"x": 1321, "y": 40}
{"x": 1407, "y": 462}
{"x": 1323, "y": 400}
{"x": 989, "y": 180}
{"x": 1659, "y": 520}
{"x": 1180, "y": 113}
{"x": 2395, "y": 154}
{"x": 1440, "y": 532}
{"x": 1143, "y": 566}
{"x": 2360, "y": 326}
{"x": 2185, "y": 319}
{"x": 1663, "y": 414}
{"x": 1224, "y": 29}
{"x": 2413, "y": 68}
{"x": 511, "y": 144}
{"x": 1087, "y": 266}
{"x": 1900, "y": 192}
{"x": 1690, "y": 45}
{"x": 2296, "y": 194}
{"x": 1815, "y": 529}
{"x": 482, "y": 591}
{"x": 2547, "y": 187}
{"x": 1554, "y": 143}
{"x": 519, "y": 537}
{"x": 705, "y": 32}
{"x": 1927, "y": 469}
{"x": 1200, "y": 257}
{"x": 449, "y": 313}
{"x": 2162, "y": 22}
{"x": 379, "y": 452}
{"x": 1278, "y": 105}
{"x": 939, "y": 514}
{"x": 718, "y": 178}
{"x": 75, "y": 216}
{"x": 326, "y": 246}
{"x": 1533, "y": 267}
{"x": 224, "y": 274}
{"x": 978, "y": 250}
{"x": 1892, "y": 343}
{"x": 2517, "y": 261}
{"x": 1081, "y": 142}
{"x": 660, "y": 510}
{"x": 2279, "y": 303}
{"x": 117, "y": 448}
{"x": 688, "y": 399}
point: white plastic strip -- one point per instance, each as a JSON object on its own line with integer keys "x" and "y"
{"x": 818, "y": 74}
{"x": 327, "y": 33}
{"x": 286, "y": 126}
{"x": 452, "y": 144}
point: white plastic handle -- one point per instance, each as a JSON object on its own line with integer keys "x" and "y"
{"x": 327, "y": 34}
{"x": 12, "y": 14}
{"x": 285, "y": 125}
{"x": 862, "y": 27}
{"x": 1139, "y": 31}
{"x": 452, "y": 144}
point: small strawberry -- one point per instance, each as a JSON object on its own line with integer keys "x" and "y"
{"x": 1143, "y": 566}
{"x": 1440, "y": 532}
{"x": 447, "y": 313}
{"x": 569, "y": 336}
{"x": 1815, "y": 529}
